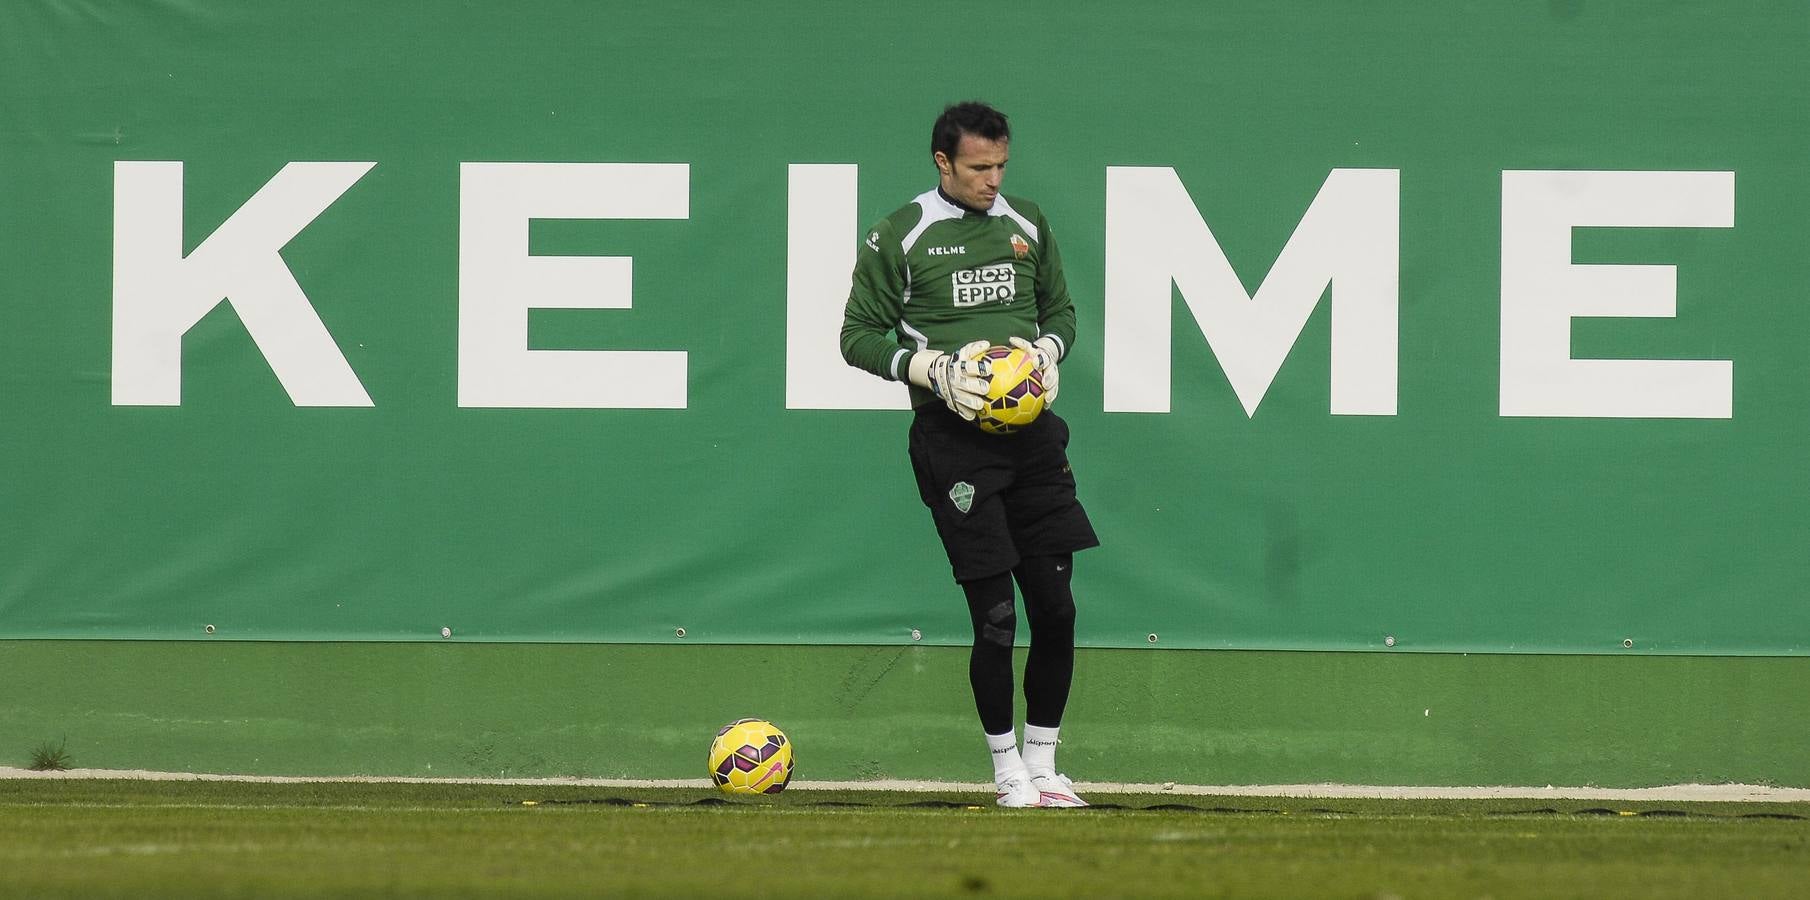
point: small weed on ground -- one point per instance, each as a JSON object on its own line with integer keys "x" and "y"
{"x": 49, "y": 757}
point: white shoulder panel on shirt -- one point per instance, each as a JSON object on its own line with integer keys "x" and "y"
{"x": 1002, "y": 208}
{"x": 936, "y": 209}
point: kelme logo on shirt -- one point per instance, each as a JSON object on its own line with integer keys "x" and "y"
{"x": 997, "y": 283}
{"x": 962, "y": 495}
{"x": 949, "y": 251}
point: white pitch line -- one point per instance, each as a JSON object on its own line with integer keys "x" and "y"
{"x": 1705, "y": 793}
{"x": 146, "y": 775}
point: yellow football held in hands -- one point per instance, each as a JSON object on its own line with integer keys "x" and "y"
{"x": 751, "y": 756}
{"x": 1014, "y": 392}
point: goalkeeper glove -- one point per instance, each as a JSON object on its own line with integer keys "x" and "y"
{"x": 960, "y": 379}
{"x": 1044, "y": 352}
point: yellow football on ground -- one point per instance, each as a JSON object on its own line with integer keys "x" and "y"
{"x": 751, "y": 756}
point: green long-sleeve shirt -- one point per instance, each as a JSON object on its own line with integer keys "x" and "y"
{"x": 937, "y": 275}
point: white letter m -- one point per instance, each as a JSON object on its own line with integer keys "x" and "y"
{"x": 1349, "y": 239}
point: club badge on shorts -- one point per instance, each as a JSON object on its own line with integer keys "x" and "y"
{"x": 962, "y": 495}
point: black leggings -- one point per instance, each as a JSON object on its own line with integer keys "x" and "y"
{"x": 1050, "y": 606}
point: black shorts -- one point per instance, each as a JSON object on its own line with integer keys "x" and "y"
{"x": 997, "y": 498}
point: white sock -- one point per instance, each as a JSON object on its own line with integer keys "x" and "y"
{"x": 1005, "y": 753}
{"x": 1040, "y": 747}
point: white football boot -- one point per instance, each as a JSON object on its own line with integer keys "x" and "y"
{"x": 1054, "y": 791}
{"x": 1015, "y": 790}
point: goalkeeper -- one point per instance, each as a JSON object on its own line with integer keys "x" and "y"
{"x": 959, "y": 268}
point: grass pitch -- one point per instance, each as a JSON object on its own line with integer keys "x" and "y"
{"x": 211, "y": 839}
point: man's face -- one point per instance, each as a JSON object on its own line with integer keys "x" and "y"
{"x": 973, "y": 176}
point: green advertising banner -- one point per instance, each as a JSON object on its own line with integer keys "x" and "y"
{"x": 1407, "y": 326}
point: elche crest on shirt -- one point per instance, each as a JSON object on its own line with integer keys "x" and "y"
{"x": 1020, "y": 247}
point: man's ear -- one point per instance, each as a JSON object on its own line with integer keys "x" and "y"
{"x": 943, "y": 164}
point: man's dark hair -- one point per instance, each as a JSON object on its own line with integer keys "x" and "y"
{"x": 969, "y": 117}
